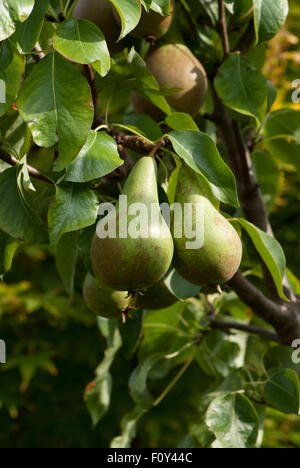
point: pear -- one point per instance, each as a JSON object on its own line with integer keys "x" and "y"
{"x": 153, "y": 24}
{"x": 155, "y": 298}
{"x": 143, "y": 106}
{"x": 102, "y": 300}
{"x": 175, "y": 67}
{"x": 141, "y": 252}
{"x": 150, "y": 24}
{"x": 220, "y": 256}
{"x": 100, "y": 12}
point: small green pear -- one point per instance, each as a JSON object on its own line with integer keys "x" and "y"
{"x": 220, "y": 256}
{"x": 102, "y": 300}
{"x": 157, "y": 297}
{"x": 100, "y": 12}
{"x": 139, "y": 253}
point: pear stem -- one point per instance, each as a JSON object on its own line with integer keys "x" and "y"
{"x": 174, "y": 381}
{"x": 156, "y": 148}
{"x": 224, "y": 33}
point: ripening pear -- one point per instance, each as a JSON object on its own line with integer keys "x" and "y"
{"x": 102, "y": 300}
{"x": 220, "y": 256}
{"x": 150, "y": 24}
{"x": 157, "y": 297}
{"x": 138, "y": 249}
{"x": 153, "y": 24}
{"x": 175, "y": 67}
{"x": 100, "y": 12}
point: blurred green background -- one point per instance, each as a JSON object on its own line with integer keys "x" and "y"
{"x": 54, "y": 345}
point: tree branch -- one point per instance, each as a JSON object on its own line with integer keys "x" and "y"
{"x": 13, "y": 161}
{"x": 248, "y": 328}
{"x": 223, "y": 27}
{"x": 133, "y": 142}
{"x": 284, "y": 318}
{"x": 240, "y": 161}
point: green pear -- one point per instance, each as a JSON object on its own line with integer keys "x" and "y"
{"x": 102, "y": 300}
{"x": 141, "y": 252}
{"x": 175, "y": 67}
{"x": 100, "y": 12}
{"x": 220, "y": 256}
{"x": 157, "y": 297}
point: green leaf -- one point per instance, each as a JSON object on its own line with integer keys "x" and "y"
{"x": 12, "y": 11}
{"x": 13, "y": 133}
{"x": 130, "y": 14}
{"x": 242, "y": 88}
{"x": 74, "y": 207}
{"x": 199, "y": 151}
{"x": 234, "y": 421}
{"x": 282, "y": 357}
{"x": 163, "y": 333}
{"x": 8, "y": 247}
{"x": 147, "y": 84}
{"x": 128, "y": 426}
{"x": 28, "y": 366}
{"x": 180, "y": 287}
{"x": 84, "y": 245}
{"x": 98, "y": 157}
{"x": 282, "y": 136}
{"x": 217, "y": 355}
{"x": 27, "y": 33}
{"x": 268, "y": 176}
{"x": 272, "y": 95}
{"x": 241, "y": 8}
{"x": 20, "y": 222}
{"x": 212, "y": 9}
{"x": 12, "y": 67}
{"x": 181, "y": 121}
{"x": 144, "y": 125}
{"x": 138, "y": 381}
{"x": 97, "y": 397}
{"x": 131, "y": 332}
{"x": 83, "y": 42}
{"x": 161, "y": 6}
{"x": 282, "y": 391}
{"x": 270, "y": 251}
{"x": 66, "y": 259}
{"x": 56, "y": 103}
{"x": 269, "y": 17}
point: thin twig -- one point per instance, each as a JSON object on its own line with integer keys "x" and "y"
{"x": 156, "y": 148}
{"x": 248, "y": 328}
{"x": 223, "y": 27}
{"x": 174, "y": 381}
{"x": 132, "y": 142}
{"x": 13, "y": 161}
